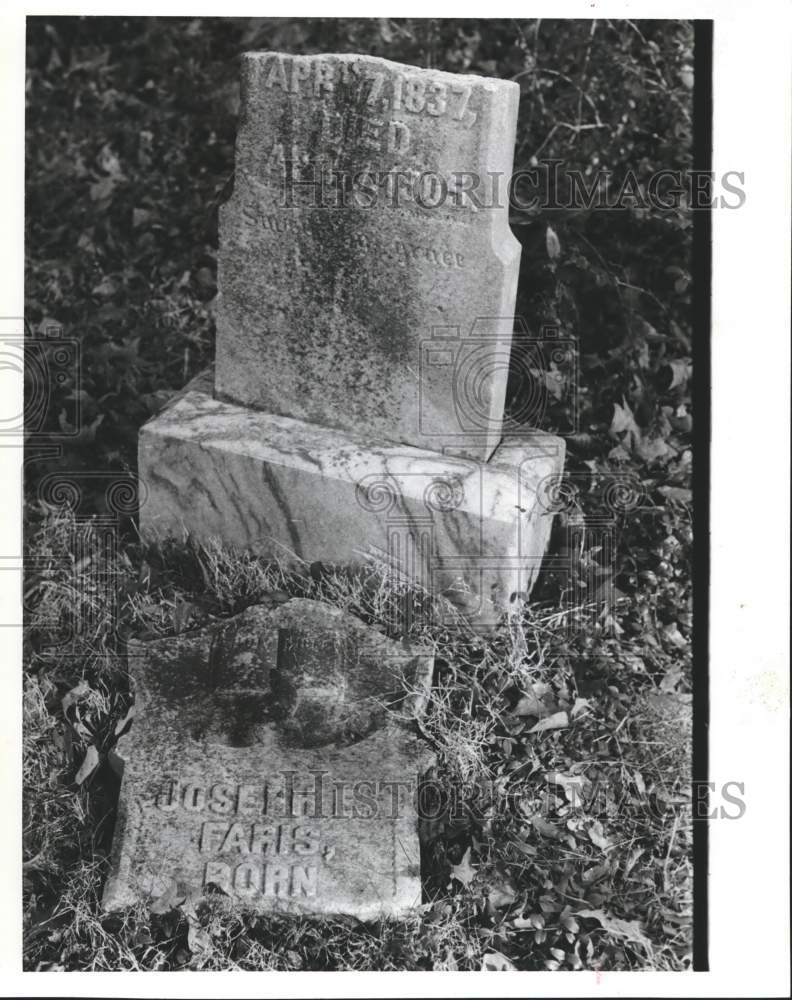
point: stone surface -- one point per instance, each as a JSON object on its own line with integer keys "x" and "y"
{"x": 390, "y": 306}
{"x": 474, "y": 532}
{"x": 271, "y": 757}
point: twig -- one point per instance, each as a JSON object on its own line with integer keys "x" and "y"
{"x": 668, "y": 852}
{"x": 644, "y": 291}
{"x": 536, "y": 70}
{"x": 583, "y": 72}
{"x": 573, "y": 128}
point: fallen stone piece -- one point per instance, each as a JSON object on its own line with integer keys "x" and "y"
{"x": 472, "y": 532}
{"x": 271, "y": 759}
{"x": 367, "y": 274}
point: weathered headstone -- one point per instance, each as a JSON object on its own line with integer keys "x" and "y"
{"x": 367, "y": 279}
{"x": 367, "y": 231}
{"x": 271, "y": 758}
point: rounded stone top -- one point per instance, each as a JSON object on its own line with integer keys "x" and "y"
{"x": 302, "y": 675}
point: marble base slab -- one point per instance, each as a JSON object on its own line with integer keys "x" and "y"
{"x": 470, "y": 531}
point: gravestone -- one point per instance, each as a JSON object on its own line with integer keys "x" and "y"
{"x": 360, "y": 244}
{"x": 271, "y": 759}
{"x": 366, "y": 287}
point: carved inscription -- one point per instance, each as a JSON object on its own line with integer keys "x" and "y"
{"x": 255, "y": 856}
{"x": 401, "y": 252}
{"x": 265, "y": 839}
{"x": 250, "y": 878}
{"x": 278, "y": 843}
{"x": 257, "y": 838}
{"x": 382, "y": 90}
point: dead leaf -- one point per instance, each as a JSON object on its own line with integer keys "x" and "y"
{"x": 88, "y": 766}
{"x": 121, "y": 725}
{"x": 533, "y": 922}
{"x": 681, "y": 370}
{"x": 108, "y": 161}
{"x": 529, "y": 704}
{"x": 674, "y": 636}
{"x": 631, "y": 439}
{"x": 623, "y": 426}
{"x": 630, "y": 863}
{"x": 581, "y": 704}
{"x": 169, "y": 899}
{"x": 106, "y": 288}
{"x": 102, "y": 189}
{"x": 652, "y": 449}
{"x": 597, "y": 836}
{"x": 278, "y": 596}
{"x": 573, "y": 785}
{"x": 464, "y": 872}
{"x": 181, "y": 614}
{"x": 77, "y": 693}
{"x": 140, "y": 216}
{"x": 494, "y": 961}
{"x": 629, "y": 929}
{"x": 501, "y": 895}
{"x": 676, "y": 493}
{"x": 595, "y": 873}
{"x": 560, "y": 720}
{"x": 199, "y": 941}
{"x": 546, "y": 829}
{"x": 552, "y": 243}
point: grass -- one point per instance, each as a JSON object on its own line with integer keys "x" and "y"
{"x": 136, "y": 119}
{"x": 568, "y": 848}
